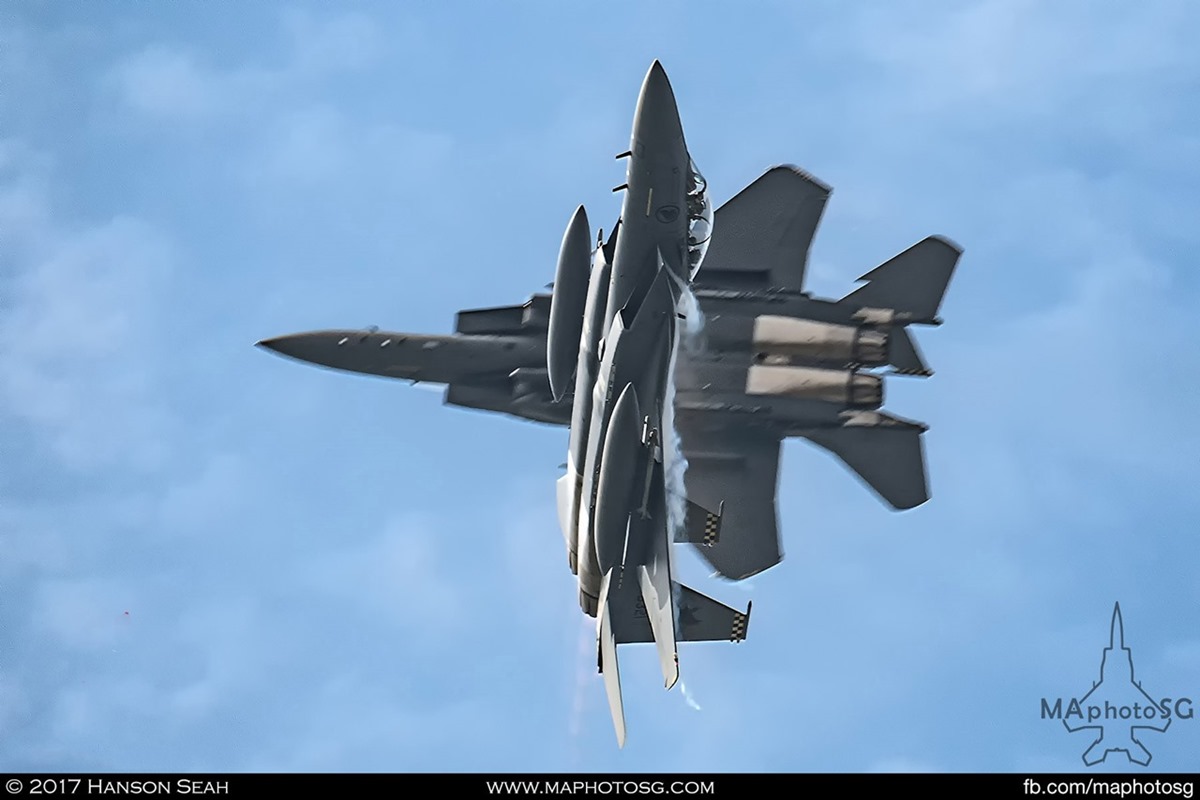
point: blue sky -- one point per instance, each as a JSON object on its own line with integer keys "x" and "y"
{"x": 333, "y": 572}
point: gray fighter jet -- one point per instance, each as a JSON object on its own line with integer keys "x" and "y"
{"x": 611, "y": 325}
{"x": 779, "y": 363}
{"x": 614, "y": 504}
{"x": 771, "y": 362}
{"x": 774, "y": 363}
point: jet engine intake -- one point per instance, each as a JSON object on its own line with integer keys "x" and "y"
{"x": 844, "y": 387}
{"x": 820, "y": 341}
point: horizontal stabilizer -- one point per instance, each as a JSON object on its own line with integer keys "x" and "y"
{"x": 904, "y": 355}
{"x": 702, "y": 619}
{"x": 762, "y": 235}
{"x": 911, "y": 283}
{"x": 702, "y": 527}
{"x": 886, "y": 452}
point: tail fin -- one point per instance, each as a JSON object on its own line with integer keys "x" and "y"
{"x": 607, "y": 658}
{"x": 905, "y": 356}
{"x": 656, "y": 584}
{"x": 885, "y": 451}
{"x": 702, "y": 619}
{"x": 912, "y": 283}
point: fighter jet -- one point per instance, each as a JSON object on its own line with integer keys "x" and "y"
{"x": 611, "y": 324}
{"x": 613, "y": 503}
{"x": 779, "y": 363}
{"x": 773, "y": 362}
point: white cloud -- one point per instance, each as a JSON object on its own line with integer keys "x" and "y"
{"x": 353, "y": 723}
{"x": 1184, "y": 655}
{"x": 402, "y": 576}
{"x": 535, "y": 559}
{"x": 77, "y": 337}
{"x": 84, "y": 613}
{"x": 231, "y": 645}
{"x": 320, "y": 146}
{"x": 172, "y": 84}
{"x": 1011, "y": 54}
{"x": 203, "y": 502}
{"x": 347, "y": 42}
{"x": 180, "y": 84}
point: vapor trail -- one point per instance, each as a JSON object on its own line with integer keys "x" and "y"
{"x": 575, "y": 726}
{"x": 674, "y": 462}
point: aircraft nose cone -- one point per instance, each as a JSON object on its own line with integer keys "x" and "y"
{"x": 292, "y": 346}
{"x": 657, "y": 112}
{"x": 657, "y": 73}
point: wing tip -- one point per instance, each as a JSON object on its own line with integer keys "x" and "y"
{"x": 736, "y": 577}
{"x": 909, "y": 503}
{"x": 954, "y": 247}
{"x": 741, "y": 624}
{"x": 804, "y": 174}
{"x": 712, "y": 525}
{"x": 947, "y": 241}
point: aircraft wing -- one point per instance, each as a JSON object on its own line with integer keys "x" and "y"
{"x": 523, "y": 393}
{"x": 733, "y": 471}
{"x": 761, "y": 236}
{"x": 509, "y": 396}
{"x": 885, "y": 451}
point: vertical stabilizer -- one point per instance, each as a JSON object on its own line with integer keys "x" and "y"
{"x": 608, "y": 661}
{"x": 905, "y": 356}
{"x": 912, "y": 283}
{"x": 655, "y": 583}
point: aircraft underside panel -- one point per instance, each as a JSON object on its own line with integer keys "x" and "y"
{"x": 739, "y": 468}
{"x": 499, "y": 397}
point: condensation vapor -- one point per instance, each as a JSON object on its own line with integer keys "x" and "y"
{"x": 674, "y": 463}
{"x": 583, "y": 657}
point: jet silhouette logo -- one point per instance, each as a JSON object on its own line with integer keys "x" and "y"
{"x": 1117, "y": 709}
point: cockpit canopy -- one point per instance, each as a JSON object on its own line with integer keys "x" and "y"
{"x": 700, "y": 218}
